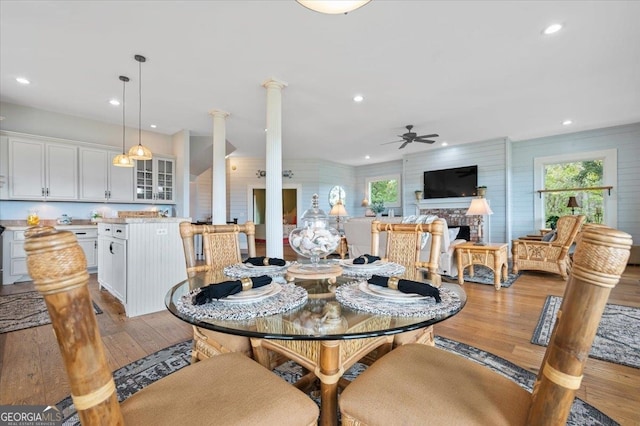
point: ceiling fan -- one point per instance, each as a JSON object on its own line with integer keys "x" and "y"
{"x": 412, "y": 137}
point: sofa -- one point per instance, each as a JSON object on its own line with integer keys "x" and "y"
{"x": 357, "y": 231}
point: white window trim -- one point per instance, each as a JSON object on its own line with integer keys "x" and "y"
{"x": 609, "y": 178}
{"x": 395, "y": 176}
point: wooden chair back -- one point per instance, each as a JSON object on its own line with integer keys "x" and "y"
{"x": 58, "y": 268}
{"x": 221, "y": 244}
{"x": 404, "y": 243}
{"x": 600, "y": 259}
{"x": 567, "y": 229}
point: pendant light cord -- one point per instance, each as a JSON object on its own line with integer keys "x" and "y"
{"x": 124, "y": 84}
{"x": 140, "y": 103}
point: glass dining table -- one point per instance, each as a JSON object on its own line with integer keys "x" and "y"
{"x": 324, "y": 324}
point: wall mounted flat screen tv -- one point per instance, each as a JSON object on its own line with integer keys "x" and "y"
{"x": 458, "y": 182}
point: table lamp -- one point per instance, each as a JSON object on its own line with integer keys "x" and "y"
{"x": 338, "y": 210}
{"x": 479, "y": 207}
{"x": 573, "y": 203}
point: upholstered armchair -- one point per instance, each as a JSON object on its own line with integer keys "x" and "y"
{"x": 551, "y": 253}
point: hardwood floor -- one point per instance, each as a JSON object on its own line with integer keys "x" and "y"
{"x": 500, "y": 322}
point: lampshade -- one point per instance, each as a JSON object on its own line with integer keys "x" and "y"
{"x": 140, "y": 152}
{"x": 573, "y": 202}
{"x": 122, "y": 160}
{"x": 338, "y": 209}
{"x": 333, "y": 7}
{"x": 479, "y": 207}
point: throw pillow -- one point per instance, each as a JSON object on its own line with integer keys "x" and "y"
{"x": 453, "y": 233}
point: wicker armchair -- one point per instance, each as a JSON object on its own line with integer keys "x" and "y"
{"x": 404, "y": 243}
{"x": 229, "y": 389}
{"x": 548, "y": 256}
{"x": 395, "y": 389}
{"x": 221, "y": 244}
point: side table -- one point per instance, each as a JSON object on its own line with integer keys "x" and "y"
{"x": 493, "y": 256}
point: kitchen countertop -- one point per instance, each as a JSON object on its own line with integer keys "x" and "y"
{"x": 21, "y": 225}
{"x": 129, "y": 220}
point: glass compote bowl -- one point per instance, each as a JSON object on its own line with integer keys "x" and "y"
{"x": 315, "y": 238}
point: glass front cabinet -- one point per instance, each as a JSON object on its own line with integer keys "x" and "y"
{"x": 155, "y": 180}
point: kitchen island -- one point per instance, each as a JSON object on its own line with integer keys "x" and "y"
{"x": 139, "y": 260}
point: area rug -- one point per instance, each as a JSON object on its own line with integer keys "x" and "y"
{"x": 25, "y": 310}
{"x": 484, "y": 275}
{"x": 617, "y": 339}
{"x": 137, "y": 375}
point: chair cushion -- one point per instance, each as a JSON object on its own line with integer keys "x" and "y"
{"x": 549, "y": 236}
{"x": 228, "y": 389}
{"x": 418, "y": 384}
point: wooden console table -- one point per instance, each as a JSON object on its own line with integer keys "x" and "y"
{"x": 493, "y": 256}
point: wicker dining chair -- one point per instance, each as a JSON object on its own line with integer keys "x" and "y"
{"x": 404, "y": 244}
{"x": 229, "y": 389}
{"x": 418, "y": 384}
{"x": 548, "y": 256}
{"x": 221, "y": 246}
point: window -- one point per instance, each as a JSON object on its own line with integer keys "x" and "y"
{"x": 386, "y": 189}
{"x": 577, "y": 170}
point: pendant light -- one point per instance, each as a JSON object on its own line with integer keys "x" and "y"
{"x": 140, "y": 152}
{"x": 122, "y": 160}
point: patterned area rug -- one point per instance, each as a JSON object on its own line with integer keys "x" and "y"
{"x": 137, "y": 375}
{"x": 484, "y": 275}
{"x": 25, "y": 310}
{"x": 617, "y": 339}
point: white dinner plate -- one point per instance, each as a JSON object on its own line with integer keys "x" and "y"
{"x": 253, "y": 295}
{"x": 387, "y": 293}
{"x": 265, "y": 268}
{"x": 348, "y": 263}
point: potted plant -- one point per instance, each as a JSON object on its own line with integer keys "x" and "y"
{"x": 552, "y": 221}
{"x": 377, "y": 207}
{"x": 418, "y": 194}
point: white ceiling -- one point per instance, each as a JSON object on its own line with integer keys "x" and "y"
{"x": 469, "y": 71}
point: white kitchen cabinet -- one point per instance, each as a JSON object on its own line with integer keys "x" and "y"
{"x": 112, "y": 261}
{"x": 100, "y": 180}
{"x": 155, "y": 180}
{"x": 15, "y": 258}
{"x": 42, "y": 170}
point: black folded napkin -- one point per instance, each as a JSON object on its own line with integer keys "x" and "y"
{"x": 227, "y": 288}
{"x": 265, "y": 261}
{"x": 365, "y": 258}
{"x": 407, "y": 286}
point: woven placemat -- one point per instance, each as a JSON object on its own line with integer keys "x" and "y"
{"x": 289, "y": 298}
{"x": 351, "y": 296}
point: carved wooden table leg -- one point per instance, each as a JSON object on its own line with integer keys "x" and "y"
{"x": 329, "y": 373}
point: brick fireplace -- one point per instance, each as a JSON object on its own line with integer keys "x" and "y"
{"x": 455, "y": 216}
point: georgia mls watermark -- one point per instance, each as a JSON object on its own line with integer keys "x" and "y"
{"x": 30, "y": 415}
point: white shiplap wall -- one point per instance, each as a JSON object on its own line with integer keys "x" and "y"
{"x": 491, "y": 159}
{"x": 625, "y": 139}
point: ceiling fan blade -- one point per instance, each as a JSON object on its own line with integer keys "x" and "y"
{"x": 404, "y": 144}
{"x": 428, "y": 136}
{"x": 424, "y": 141}
{"x": 387, "y": 143}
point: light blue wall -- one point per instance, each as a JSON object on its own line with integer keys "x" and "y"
{"x": 625, "y": 139}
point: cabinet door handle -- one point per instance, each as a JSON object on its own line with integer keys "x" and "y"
{"x": 111, "y": 247}
{"x": 95, "y": 244}
{"x": 80, "y": 233}
{"x": 47, "y": 192}
{"x": 42, "y": 192}
{"x": 105, "y": 194}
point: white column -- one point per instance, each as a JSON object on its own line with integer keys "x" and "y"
{"x": 273, "y": 211}
{"x": 219, "y": 177}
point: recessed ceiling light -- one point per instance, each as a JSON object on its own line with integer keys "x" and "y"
{"x": 22, "y": 80}
{"x": 551, "y": 29}
{"x": 358, "y": 98}
{"x": 567, "y": 122}
{"x": 153, "y": 126}
{"x": 114, "y": 102}
{"x": 444, "y": 144}
{"x": 366, "y": 157}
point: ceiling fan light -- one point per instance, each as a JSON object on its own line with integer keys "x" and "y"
{"x": 333, "y": 7}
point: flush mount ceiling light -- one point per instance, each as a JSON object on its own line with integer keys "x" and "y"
{"x": 22, "y": 80}
{"x": 567, "y": 122}
{"x": 140, "y": 152}
{"x": 114, "y": 102}
{"x": 123, "y": 160}
{"x": 358, "y": 98}
{"x": 333, "y": 7}
{"x": 552, "y": 29}
{"x": 153, "y": 126}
